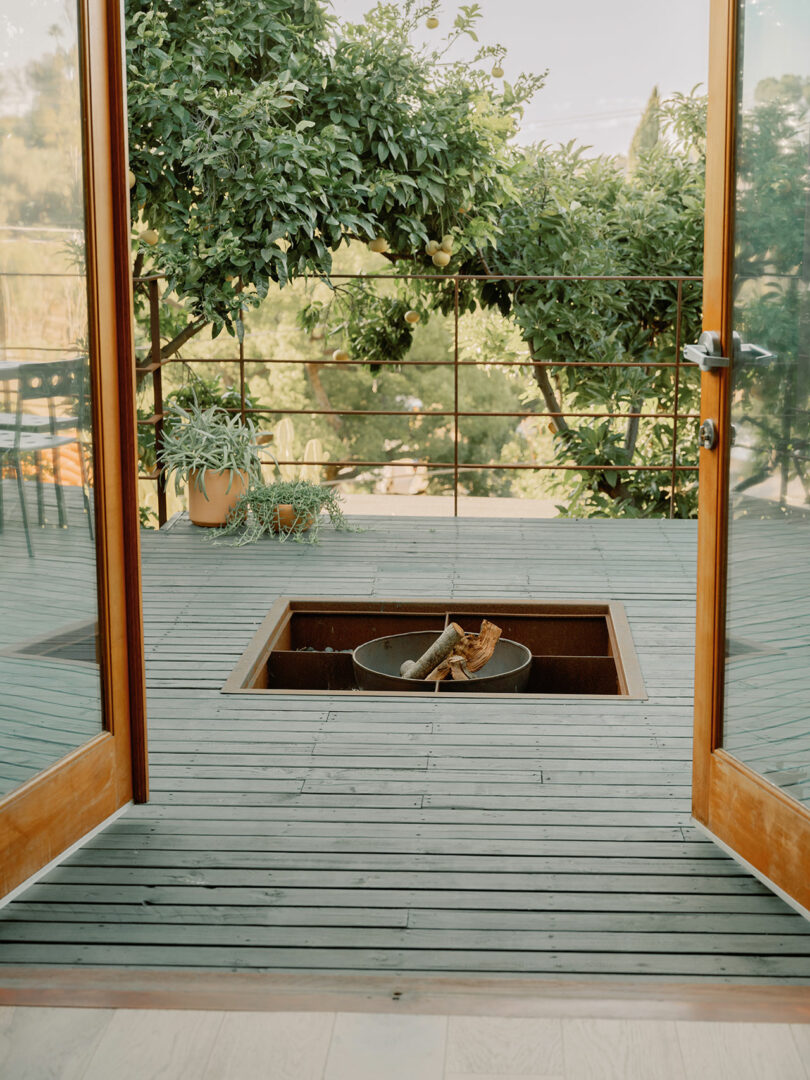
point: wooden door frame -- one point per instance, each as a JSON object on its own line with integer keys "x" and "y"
{"x": 54, "y": 809}
{"x": 751, "y": 818}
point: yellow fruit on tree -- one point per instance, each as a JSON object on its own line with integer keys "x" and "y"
{"x": 441, "y": 258}
{"x": 378, "y": 244}
{"x": 447, "y": 243}
{"x": 412, "y": 317}
{"x": 497, "y": 72}
{"x": 150, "y": 236}
{"x": 131, "y": 178}
{"x": 431, "y": 247}
{"x": 431, "y": 22}
{"x": 340, "y": 356}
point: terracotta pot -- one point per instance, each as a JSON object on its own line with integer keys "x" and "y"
{"x": 286, "y": 519}
{"x": 222, "y": 490}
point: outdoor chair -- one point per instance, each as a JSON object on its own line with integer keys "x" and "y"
{"x": 61, "y": 384}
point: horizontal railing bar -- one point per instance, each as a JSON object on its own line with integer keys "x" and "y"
{"x": 483, "y": 415}
{"x": 40, "y": 348}
{"x": 477, "y": 277}
{"x": 497, "y": 467}
{"x": 269, "y": 411}
{"x": 416, "y": 363}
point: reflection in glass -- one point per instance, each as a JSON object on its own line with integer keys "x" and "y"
{"x": 49, "y": 672}
{"x": 767, "y": 713}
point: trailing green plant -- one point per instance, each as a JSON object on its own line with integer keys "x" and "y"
{"x": 257, "y": 512}
{"x": 202, "y": 440}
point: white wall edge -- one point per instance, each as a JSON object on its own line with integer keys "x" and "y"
{"x": 752, "y": 870}
{"x": 16, "y": 892}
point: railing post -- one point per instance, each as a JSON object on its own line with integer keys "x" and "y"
{"x": 455, "y": 397}
{"x": 157, "y": 388}
{"x": 242, "y": 411}
{"x": 675, "y": 400}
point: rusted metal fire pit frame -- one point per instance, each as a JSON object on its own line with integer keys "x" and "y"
{"x": 578, "y": 649}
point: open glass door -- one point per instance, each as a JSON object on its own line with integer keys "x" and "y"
{"x": 752, "y": 715}
{"x": 72, "y": 742}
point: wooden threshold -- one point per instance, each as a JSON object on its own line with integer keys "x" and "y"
{"x": 513, "y": 996}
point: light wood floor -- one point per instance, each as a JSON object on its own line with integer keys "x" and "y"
{"x": 97, "y": 1044}
{"x": 546, "y": 838}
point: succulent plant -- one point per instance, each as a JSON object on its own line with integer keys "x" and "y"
{"x": 202, "y": 440}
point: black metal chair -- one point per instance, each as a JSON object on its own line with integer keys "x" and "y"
{"x": 60, "y": 383}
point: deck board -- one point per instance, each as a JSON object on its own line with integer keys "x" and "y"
{"x": 546, "y": 837}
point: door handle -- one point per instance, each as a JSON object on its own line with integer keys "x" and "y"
{"x": 753, "y": 354}
{"x": 707, "y": 353}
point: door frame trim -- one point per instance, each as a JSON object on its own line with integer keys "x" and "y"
{"x": 529, "y": 996}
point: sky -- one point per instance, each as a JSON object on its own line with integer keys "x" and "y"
{"x": 603, "y": 56}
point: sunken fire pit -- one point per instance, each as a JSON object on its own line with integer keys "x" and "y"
{"x": 305, "y": 645}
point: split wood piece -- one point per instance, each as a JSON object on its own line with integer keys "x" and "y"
{"x": 475, "y": 649}
{"x": 479, "y": 649}
{"x": 445, "y": 645}
{"x": 458, "y": 668}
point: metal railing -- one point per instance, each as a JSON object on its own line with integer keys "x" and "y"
{"x": 153, "y": 364}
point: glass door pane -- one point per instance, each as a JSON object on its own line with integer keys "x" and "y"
{"x": 49, "y": 669}
{"x": 767, "y": 681}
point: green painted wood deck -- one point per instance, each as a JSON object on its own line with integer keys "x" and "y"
{"x": 547, "y": 838}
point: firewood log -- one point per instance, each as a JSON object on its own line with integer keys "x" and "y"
{"x": 441, "y": 648}
{"x": 474, "y": 649}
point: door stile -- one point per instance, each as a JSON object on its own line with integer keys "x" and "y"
{"x": 714, "y": 386}
{"x": 111, "y": 315}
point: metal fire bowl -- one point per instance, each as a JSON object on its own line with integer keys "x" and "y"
{"x": 377, "y": 664}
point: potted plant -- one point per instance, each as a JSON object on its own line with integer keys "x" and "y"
{"x": 287, "y": 509}
{"x": 214, "y": 454}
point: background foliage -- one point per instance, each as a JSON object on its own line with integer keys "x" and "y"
{"x": 264, "y": 153}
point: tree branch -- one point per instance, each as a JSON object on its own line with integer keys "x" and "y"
{"x": 547, "y": 390}
{"x": 619, "y": 490}
{"x": 631, "y": 431}
{"x": 188, "y": 332}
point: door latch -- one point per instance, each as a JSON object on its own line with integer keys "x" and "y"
{"x": 707, "y": 435}
{"x": 707, "y": 354}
